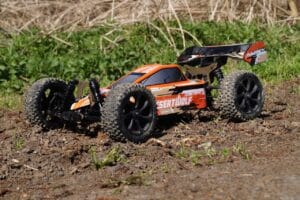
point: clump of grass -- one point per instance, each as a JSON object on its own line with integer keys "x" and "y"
{"x": 295, "y": 90}
{"x": 183, "y": 152}
{"x": 225, "y": 152}
{"x": 165, "y": 168}
{"x": 10, "y": 101}
{"x": 241, "y": 149}
{"x": 18, "y": 141}
{"x": 209, "y": 155}
{"x": 134, "y": 179}
{"x": 210, "y": 151}
{"x": 112, "y": 157}
{"x": 195, "y": 157}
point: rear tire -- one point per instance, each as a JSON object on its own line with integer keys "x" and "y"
{"x": 45, "y": 96}
{"x": 129, "y": 113}
{"x": 241, "y": 96}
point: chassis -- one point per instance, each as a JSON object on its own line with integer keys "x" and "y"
{"x": 128, "y": 109}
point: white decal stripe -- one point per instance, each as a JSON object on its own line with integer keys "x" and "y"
{"x": 194, "y": 91}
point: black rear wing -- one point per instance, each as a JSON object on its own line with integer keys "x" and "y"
{"x": 253, "y": 54}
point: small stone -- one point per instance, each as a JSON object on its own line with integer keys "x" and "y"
{"x": 85, "y": 165}
{"x": 295, "y": 124}
{"x": 60, "y": 173}
{"x": 74, "y": 170}
{"x": 3, "y": 176}
{"x": 194, "y": 188}
{"x": 15, "y": 165}
{"x": 28, "y": 150}
{"x": 15, "y": 160}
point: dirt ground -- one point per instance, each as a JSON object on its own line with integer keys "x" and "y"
{"x": 194, "y": 156}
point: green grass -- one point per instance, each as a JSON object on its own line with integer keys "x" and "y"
{"x": 107, "y": 52}
{"x": 112, "y": 157}
{"x": 18, "y": 141}
{"x": 241, "y": 149}
{"x": 11, "y": 101}
{"x": 208, "y": 155}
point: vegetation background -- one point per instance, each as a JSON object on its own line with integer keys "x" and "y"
{"x": 107, "y": 38}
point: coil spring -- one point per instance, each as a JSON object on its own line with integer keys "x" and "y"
{"x": 219, "y": 74}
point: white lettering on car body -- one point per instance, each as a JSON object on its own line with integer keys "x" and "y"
{"x": 174, "y": 102}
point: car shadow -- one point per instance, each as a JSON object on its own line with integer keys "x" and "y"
{"x": 169, "y": 121}
{"x": 164, "y": 123}
{"x": 90, "y": 130}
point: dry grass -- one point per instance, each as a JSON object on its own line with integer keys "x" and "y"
{"x": 52, "y": 15}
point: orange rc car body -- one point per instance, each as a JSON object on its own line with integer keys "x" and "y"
{"x": 172, "y": 90}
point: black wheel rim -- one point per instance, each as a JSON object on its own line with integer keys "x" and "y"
{"x": 249, "y": 95}
{"x": 51, "y": 102}
{"x": 137, "y": 113}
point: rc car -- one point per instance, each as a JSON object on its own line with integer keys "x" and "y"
{"x": 128, "y": 109}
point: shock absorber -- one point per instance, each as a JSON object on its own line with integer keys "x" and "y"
{"x": 69, "y": 93}
{"x": 219, "y": 74}
{"x": 95, "y": 89}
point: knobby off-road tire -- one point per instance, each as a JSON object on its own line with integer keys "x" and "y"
{"x": 44, "y": 96}
{"x": 241, "y": 96}
{"x": 129, "y": 113}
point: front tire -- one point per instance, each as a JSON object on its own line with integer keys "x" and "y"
{"x": 129, "y": 113}
{"x": 45, "y": 97}
{"x": 241, "y": 96}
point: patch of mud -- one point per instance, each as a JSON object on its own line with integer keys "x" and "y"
{"x": 196, "y": 156}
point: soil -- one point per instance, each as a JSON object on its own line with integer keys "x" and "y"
{"x": 193, "y": 156}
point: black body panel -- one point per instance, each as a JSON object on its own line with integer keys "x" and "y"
{"x": 203, "y": 56}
